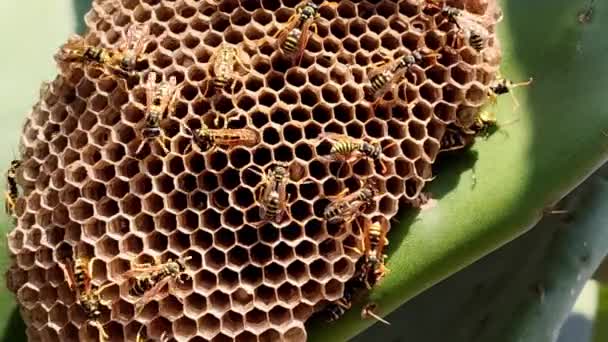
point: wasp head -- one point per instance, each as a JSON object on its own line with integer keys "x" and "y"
{"x": 309, "y": 10}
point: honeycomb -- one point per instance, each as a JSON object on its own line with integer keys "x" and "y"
{"x": 85, "y": 192}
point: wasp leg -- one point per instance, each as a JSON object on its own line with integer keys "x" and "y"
{"x": 338, "y": 196}
{"x": 69, "y": 275}
{"x": 289, "y": 22}
{"x": 10, "y": 203}
{"x": 331, "y": 4}
{"x": 173, "y": 102}
{"x": 515, "y": 85}
{"x": 162, "y": 141}
{"x": 103, "y": 336}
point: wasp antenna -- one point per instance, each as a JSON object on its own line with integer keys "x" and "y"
{"x": 515, "y": 85}
{"x": 522, "y": 84}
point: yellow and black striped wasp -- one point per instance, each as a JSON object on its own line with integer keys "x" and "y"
{"x": 372, "y": 246}
{"x": 209, "y": 139}
{"x": 349, "y": 150}
{"x": 473, "y": 27}
{"x": 345, "y": 207}
{"x": 147, "y": 280}
{"x": 226, "y": 66}
{"x": 12, "y": 189}
{"x": 123, "y": 59}
{"x": 272, "y": 196}
{"x": 389, "y": 72}
{"x": 160, "y": 99}
{"x": 78, "y": 275}
{"x": 294, "y": 36}
{"x": 480, "y": 121}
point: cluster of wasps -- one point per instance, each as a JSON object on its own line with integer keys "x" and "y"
{"x": 471, "y": 30}
{"x": 227, "y": 67}
{"x": 144, "y": 282}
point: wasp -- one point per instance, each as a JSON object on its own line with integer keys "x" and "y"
{"x": 502, "y": 85}
{"x": 350, "y": 150}
{"x": 453, "y": 139}
{"x": 208, "y": 139}
{"x": 374, "y": 240}
{"x": 472, "y": 26}
{"x": 337, "y": 309}
{"x": 226, "y": 66}
{"x": 148, "y": 279}
{"x": 78, "y": 274}
{"x": 475, "y": 121}
{"x": 345, "y": 207}
{"x": 12, "y": 189}
{"x": 368, "y": 311}
{"x": 160, "y": 98}
{"x": 122, "y": 60}
{"x": 273, "y": 192}
{"x": 389, "y": 72}
{"x": 294, "y": 36}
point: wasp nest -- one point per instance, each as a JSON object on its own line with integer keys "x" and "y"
{"x": 85, "y": 192}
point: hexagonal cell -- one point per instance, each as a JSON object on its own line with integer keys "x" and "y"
{"x": 260, "y": 254}
{"x": 232, "y": 322}
{"x": 219, "y": 302}
{"x": 156, "y": 242}
{"x": 184, "y": 327}
{"x": 81, "y": 210}
{"x": 215, "y": 259}
{"x": 209, "y": 324}
{"x": 279, "y": 315}
{"x": 205, "y": 281}
{"x": 194, "y": 305}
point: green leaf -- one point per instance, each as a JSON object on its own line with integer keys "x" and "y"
{"x": 556, "y": 143}
{"x": 32, "y": 32}
{"x": 521, "y": 292}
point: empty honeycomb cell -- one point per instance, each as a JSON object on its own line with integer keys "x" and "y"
{"x": 247, "y": 236}
{"x": 170, "y": 307}
{"x": 164, "y": 184}
{"x": 416, "y": 130}
{"x": 268, "y": 234}
{"x": 215, "y": 259}
{"x": 475, "y": 95}
{"x": 177, "y": 201}
{"x": 274, "y": 274}
{"x": 78, "y": 139}
{"x": 94, "y": 228}
{"x": 260, "y": 254}
{"x": 219, "y": 302}
{"x": 201, "y": 239}
{"x": 232, "y": 322}
{"x": 211, "y": 219}
{"x": 220, "y": 199}
{"x": 217, "y": 161}
{"x": 445, "y": 111}
{"x": 179, "y": 242}
{"x": 461, "y": 74}
{"x": 130, "y": 205}
{"x": 188, "y": 221}
{"x": 166, "y": 222}
{"x": 156, "y": 242}
{"x": 469, "y": 55}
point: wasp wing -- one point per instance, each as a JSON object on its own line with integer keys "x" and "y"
{"x": 150, "y": 294}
